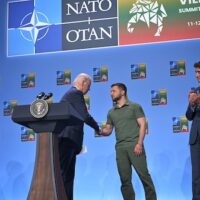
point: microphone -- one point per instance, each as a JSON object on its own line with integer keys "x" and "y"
{"x": 48, "y": 96}
{"x": 40, "y": 95}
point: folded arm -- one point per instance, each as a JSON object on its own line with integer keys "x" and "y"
{"x": 191, "y": 109}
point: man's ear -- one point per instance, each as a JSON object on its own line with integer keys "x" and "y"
{"x": 83, "y": 83}
{"x": 123, "y": 92}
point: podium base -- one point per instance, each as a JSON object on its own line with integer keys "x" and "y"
{"x": 47, "y": 182}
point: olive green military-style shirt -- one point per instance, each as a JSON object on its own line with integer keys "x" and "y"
{"x": 124, "y": 120}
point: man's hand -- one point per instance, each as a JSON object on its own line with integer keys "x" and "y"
{"x": 99, "y": 132}
{"x": 106, "y": 131}
{"x": 198, "y": 99}
{"x": 138, "y": 149}
{"x": 193, "y": 98}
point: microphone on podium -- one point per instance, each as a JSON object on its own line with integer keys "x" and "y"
{"x": 48, "y": 96}
{"x": 40, "y": 95}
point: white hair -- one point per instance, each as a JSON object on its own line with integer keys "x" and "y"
{"x": 82, "y": 77}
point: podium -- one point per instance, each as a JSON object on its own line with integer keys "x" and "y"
{"x": 46, "y": 182}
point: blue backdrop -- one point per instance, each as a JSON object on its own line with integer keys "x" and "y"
{"x": 96, "y": 174}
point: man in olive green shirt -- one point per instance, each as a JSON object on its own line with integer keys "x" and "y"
{"x": 129, "y": 122}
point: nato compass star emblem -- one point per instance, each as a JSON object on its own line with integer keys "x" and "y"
{"x": 34, "y": 26}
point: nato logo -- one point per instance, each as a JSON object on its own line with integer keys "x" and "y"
{"x": 8, "y": 107}
{"x": 100, "y": 74}
{"x": 177, "y": 68}
{"x": 28, "y": 80}
{"x": 176, "y": 124}
{"x": 63, "y": 77}
{"x": 138, "y": 71}
{"x": 180, "y": 124}
{"x": 159, "y": 97}
{"x": 33, "y": 27}
{"x": 27, "y": 134}
{"x": 96, "y": 74}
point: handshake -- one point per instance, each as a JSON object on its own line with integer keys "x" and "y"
{"x": 100, "y": 132}
{"x": 104, "y": 129}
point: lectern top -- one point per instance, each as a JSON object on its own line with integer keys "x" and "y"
{"x": 58, "y": 116}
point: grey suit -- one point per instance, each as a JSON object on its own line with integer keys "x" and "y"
{"x": 71, "y": 138}
{"x": 193, "y": 113}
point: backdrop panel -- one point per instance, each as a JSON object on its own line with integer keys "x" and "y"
{"x": 158, "y": 76}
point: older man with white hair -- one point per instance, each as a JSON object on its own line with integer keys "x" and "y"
{"x": 71, "y": 138}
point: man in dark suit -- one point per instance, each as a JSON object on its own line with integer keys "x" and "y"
{"x": 193, "y": 113}
{"x": 71, "y": 138}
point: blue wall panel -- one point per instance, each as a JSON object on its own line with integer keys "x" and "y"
{"x": 96, "y": 174}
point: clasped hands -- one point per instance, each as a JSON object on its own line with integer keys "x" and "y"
{"x": 194, "y": 98}
{"x": 99, "y": 132}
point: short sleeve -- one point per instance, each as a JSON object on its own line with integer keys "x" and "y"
{"x": 139, "y": 112}
{"x": 109, "y": 119}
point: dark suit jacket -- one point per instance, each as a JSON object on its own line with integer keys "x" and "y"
{"x": 74, "y": 129}
{"x": 193, "y": 113}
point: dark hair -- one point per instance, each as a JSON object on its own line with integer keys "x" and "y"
{"x": 121, "y": 86}
{"x": 197, "y": 65}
